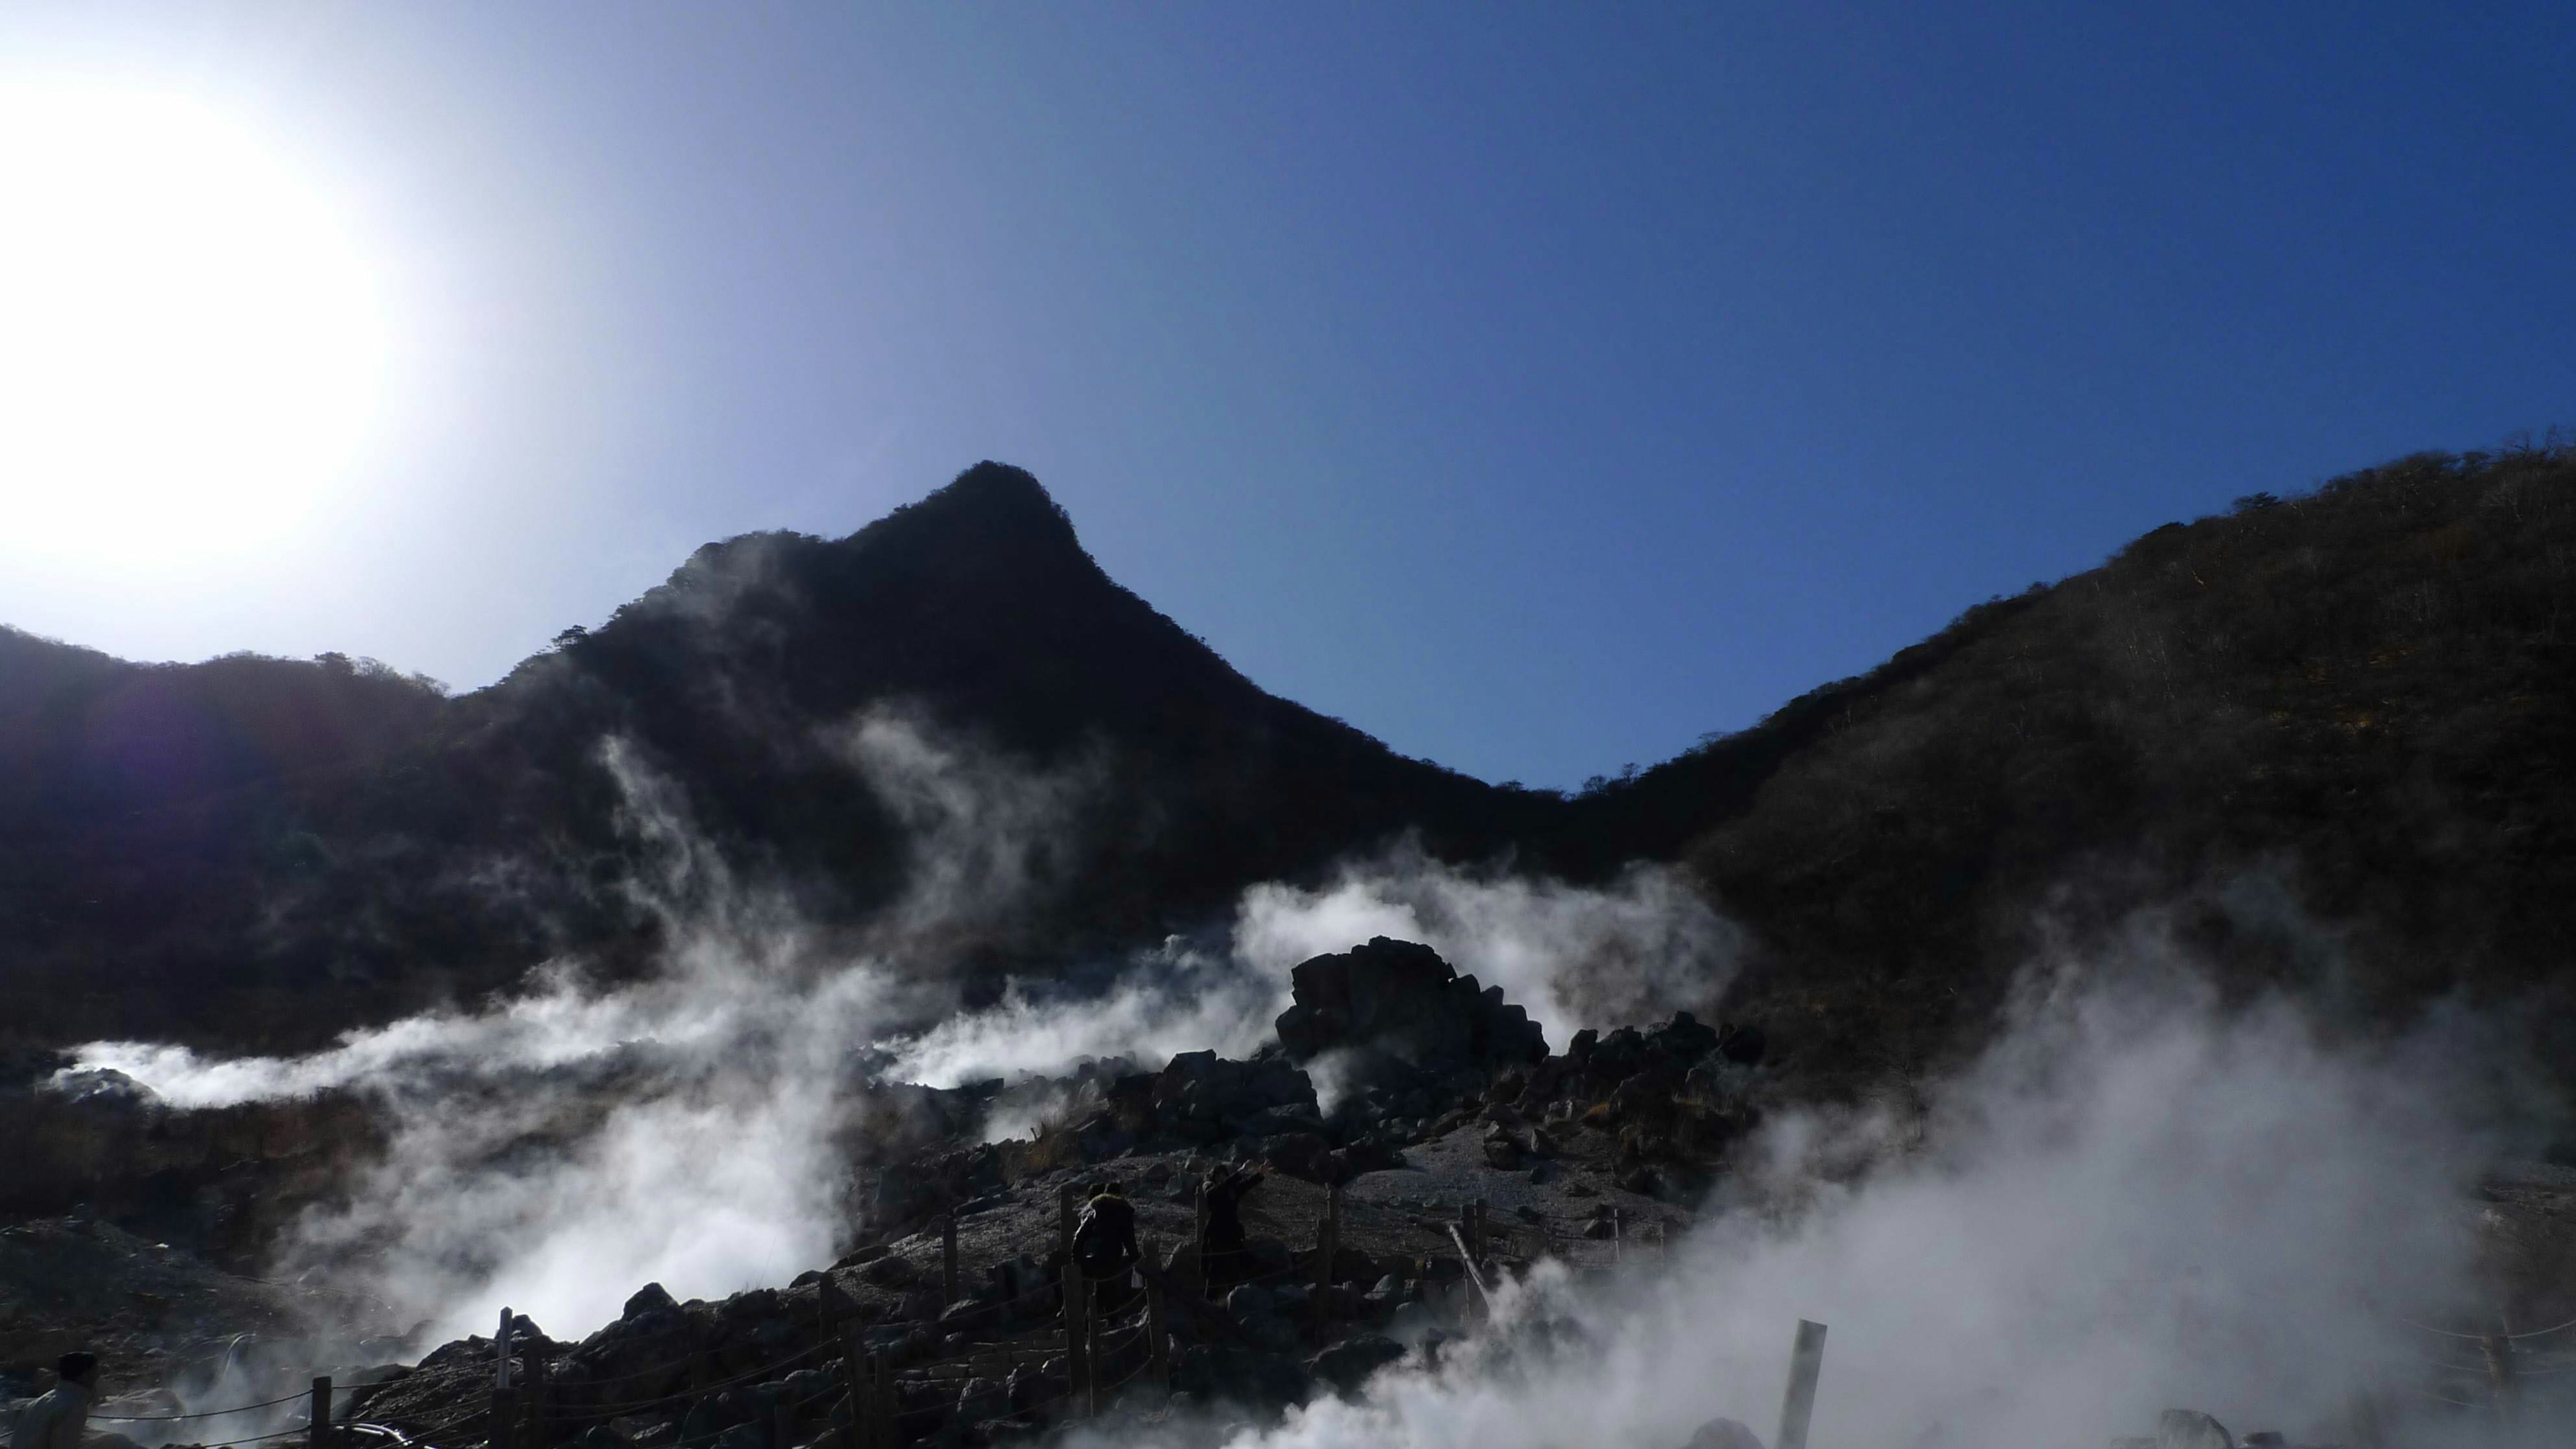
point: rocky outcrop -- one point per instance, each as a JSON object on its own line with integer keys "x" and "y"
{"x": 1398, "y": 1000}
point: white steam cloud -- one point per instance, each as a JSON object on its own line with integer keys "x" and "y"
{"x": 2136, "y": 1200}
{"x": 557, "y": 1151}
{"x": 697, "y": 1128}
{"x": 1573, "y": 956}
{"x": 2132, "y": 1203}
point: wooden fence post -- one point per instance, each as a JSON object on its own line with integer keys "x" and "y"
{"x": 854, "y": 1373}
{"x": 532, "y": 1407}
{"x": 1328, "y": 1244}
{"x": 1077, "y": 1338}
{"x": 318, "y": 1433}
{"x": 948, "y": 1259}
{"x": 1199, "y": 1263}
{"x": 886, "y": 1402}
{"x": 2500, "y": 1374}
{"x": 504, "y": 1423}
{"x": 1090, "y": 1364}
{"x": 1157, "y": 1346}
{"x": 1475, "y": 1275}
{"x": 1806, "y": 1359}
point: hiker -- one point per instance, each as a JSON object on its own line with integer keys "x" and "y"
{"x": 1104, "y": 1243}
{"x": 1221, "y": 1251}
{"x": 59, "y": 1418}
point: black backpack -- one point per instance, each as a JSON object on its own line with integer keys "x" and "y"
{"x": 1097, "y": 1241}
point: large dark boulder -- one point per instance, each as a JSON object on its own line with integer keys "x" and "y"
{"x": 1203, "y": 1096}
{"x": 1399, "y": 1001}
{"x": 644, "y": 1355}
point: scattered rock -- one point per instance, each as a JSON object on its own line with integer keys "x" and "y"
{"x": 983, "y": 1399}
{"x": 2191, "y": 1429}
{"x": 1347, "y": 1365}
{"x": 1723, "y": 1434}
{"x": 650, "y": 1298}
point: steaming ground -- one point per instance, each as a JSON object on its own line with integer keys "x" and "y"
{"x": 2133, "y": 1200}
{"x": 701, "y": 1128}
{"x": 2132, "y": 1203}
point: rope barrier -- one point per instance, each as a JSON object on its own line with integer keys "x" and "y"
{"x": 260, "y": 1439}
{"x": 181, "y": 1418}
{"x": 2541, "y": 1332}
{"x": 2483, "y": 1337}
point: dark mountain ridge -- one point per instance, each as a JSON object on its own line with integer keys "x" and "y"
{"x": 285, "y": 848}
{"x": 2324, "y": 737}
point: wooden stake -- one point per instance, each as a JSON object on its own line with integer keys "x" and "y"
{"x": 504, "y": 1422}
{"x": 2500, "y": 1374}
{"x": 1806, "y": 1360}
{"x": 1077, "y": 1337}
{"x": 948, "y": 1259}
{"x": 884, "y": 1400}
{"x": 1090, "y": 1399}
{"x": 1157, "y": 1347}
{"x": 533, "y": 1403}
{"x": 1328, "y": 1242}
{"x": 854, "y": 1370}
{"x": 1474, "y": 1275}
{"x": 318, "y": 1433}
{"x": 1199, "y": 1264}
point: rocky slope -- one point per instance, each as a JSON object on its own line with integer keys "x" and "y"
{"x": 2322, "y": 738}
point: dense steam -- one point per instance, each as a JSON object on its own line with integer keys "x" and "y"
{"x": 2132, "y": 1202}
{"x": 1574, "y": 956}
{"x": 699, "y": 1128}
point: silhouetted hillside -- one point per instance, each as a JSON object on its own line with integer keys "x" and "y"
{"x": 2333, "y": 734}
{"x": 2328, "y": 737}
{"x": 381, "y": 860}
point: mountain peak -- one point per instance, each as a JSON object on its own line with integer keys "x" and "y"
{"x": 990, "y": 503}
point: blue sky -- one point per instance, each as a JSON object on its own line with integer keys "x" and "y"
{"x": 1536, "y": 386}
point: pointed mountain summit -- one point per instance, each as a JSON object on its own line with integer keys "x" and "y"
{"x": 2316, "y": 742}
{"x": 476, "y": 836}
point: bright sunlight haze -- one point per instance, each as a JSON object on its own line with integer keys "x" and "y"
{"x": 191, "y": 344}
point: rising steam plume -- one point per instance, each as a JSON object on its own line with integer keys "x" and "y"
{"x": 700, "y": 1127}
{"x": 2136, "y": 1198}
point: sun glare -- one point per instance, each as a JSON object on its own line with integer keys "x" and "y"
{"x": 191, "y": 344}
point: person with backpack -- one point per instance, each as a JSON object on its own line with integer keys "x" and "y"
{"x": 1104, "y": 1245}
{"x": 1221, "y": 1249}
